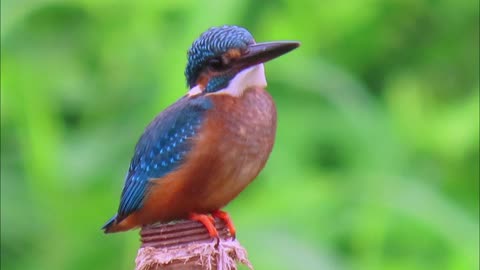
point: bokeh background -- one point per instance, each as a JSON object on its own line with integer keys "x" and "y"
{"x": 376, "y": 163}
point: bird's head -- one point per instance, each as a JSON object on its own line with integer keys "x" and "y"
{"x": 227, "y": 59}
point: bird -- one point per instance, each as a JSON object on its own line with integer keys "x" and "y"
{"x": 200, "y": 152}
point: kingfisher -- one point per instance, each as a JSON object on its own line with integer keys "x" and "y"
{"x": 202, "y": 151}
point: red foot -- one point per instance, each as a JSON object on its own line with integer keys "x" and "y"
{"x": 226, "y": 218}
{"x": 207, "y": 221}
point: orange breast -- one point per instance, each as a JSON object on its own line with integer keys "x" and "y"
{"x": 230, "y": 150}
{"x": 239, "y": 136}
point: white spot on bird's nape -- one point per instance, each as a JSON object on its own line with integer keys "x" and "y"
{"x": 197, "y": 90}
{"x": 250, "y": 77}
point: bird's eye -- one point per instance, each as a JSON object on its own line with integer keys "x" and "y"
{"x": 215, "y": 64}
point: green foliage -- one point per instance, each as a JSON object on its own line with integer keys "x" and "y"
{"x": 376, "y": 160}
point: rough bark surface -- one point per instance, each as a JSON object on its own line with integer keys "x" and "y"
{"x": 186, "y": 244}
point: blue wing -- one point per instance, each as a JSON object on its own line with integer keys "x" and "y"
{"x": 161, "y": 149}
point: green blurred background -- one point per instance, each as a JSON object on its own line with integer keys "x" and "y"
{"x": 376, "y": 163}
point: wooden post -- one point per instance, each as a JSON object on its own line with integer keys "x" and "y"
{"x": 186, "y": 244}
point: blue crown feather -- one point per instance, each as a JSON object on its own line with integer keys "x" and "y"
{"x": 214, "y": 42}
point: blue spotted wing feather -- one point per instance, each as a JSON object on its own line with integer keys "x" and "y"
{"x": 161, "y": 149}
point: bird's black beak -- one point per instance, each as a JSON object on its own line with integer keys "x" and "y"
{"x": 263, "y": 52}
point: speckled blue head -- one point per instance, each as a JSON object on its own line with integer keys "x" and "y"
{"x": 212, "y": 44}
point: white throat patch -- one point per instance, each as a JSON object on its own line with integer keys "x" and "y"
{"x": 251, "y": 77}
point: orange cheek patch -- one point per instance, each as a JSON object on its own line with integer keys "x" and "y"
{"x": 203, "y": 80}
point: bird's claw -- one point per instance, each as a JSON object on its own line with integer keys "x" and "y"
{"x": 225, "y": 217}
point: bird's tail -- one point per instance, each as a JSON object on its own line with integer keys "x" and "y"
{"x": 110, "y": 226}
